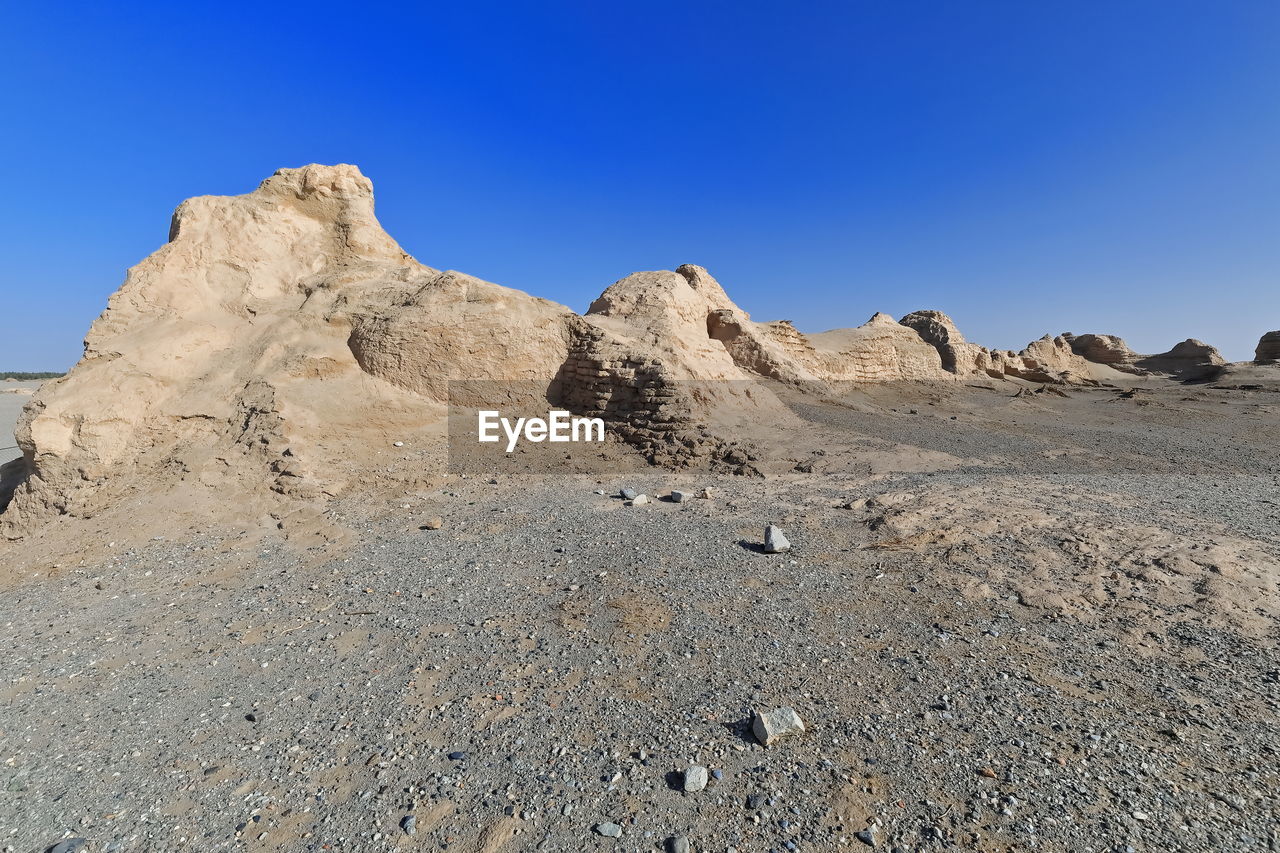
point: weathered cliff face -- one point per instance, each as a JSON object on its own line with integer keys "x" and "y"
{"x": 1066, "y": 358}
{"x": 665, "y": 313}
{"x": 1268, "y": 350}
{"x": 1048, "y": 359}
{"x": 433, "y": 327}
{"x": 959, "y": 357}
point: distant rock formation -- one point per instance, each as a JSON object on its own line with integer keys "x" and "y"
{"x": 880, "y": 349}
{"x": 1048, "y": 359}
{"x": 1188, "y": 361}
{"x": 1268, "y": 351}
{"x": 1104, "y": 349}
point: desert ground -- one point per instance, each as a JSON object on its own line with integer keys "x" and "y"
{"x": 1012, "y": 618}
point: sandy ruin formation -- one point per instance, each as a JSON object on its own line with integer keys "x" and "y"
{"x": 224, "y": 356}
{"x": 282, "y": 340}
{"x": 1188, "y": 361}
{"x": 1049, "y": 359}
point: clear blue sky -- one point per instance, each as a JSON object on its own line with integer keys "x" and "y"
{"x": 1028, "y": 167}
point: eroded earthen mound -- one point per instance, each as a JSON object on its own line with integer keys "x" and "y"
{"x": 1188, "y": 361}
{"x": 281, "y": 341}
{"x": 1049, "y": 359}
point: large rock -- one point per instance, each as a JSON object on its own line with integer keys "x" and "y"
{"x": 771, "y": 726}
{"x": 1268, "y": 350}
{"x": 695, "y": 779}
{"x": 775, "y": 541}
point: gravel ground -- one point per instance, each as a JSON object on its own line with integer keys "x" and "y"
{"x": 546, "y": 665}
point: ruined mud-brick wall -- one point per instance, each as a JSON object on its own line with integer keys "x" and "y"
{"x": 789, "y": 338}
{"x": 640, "y": 402}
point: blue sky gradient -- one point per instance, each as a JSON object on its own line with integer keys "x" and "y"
{"x": 1027, "y": 167}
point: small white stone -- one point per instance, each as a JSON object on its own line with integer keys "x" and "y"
{"x": 639, "y": 500}
{"x": 770, "y": 726}
{"x": 774, "y": 541}
{"x": 695, "y": 778}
